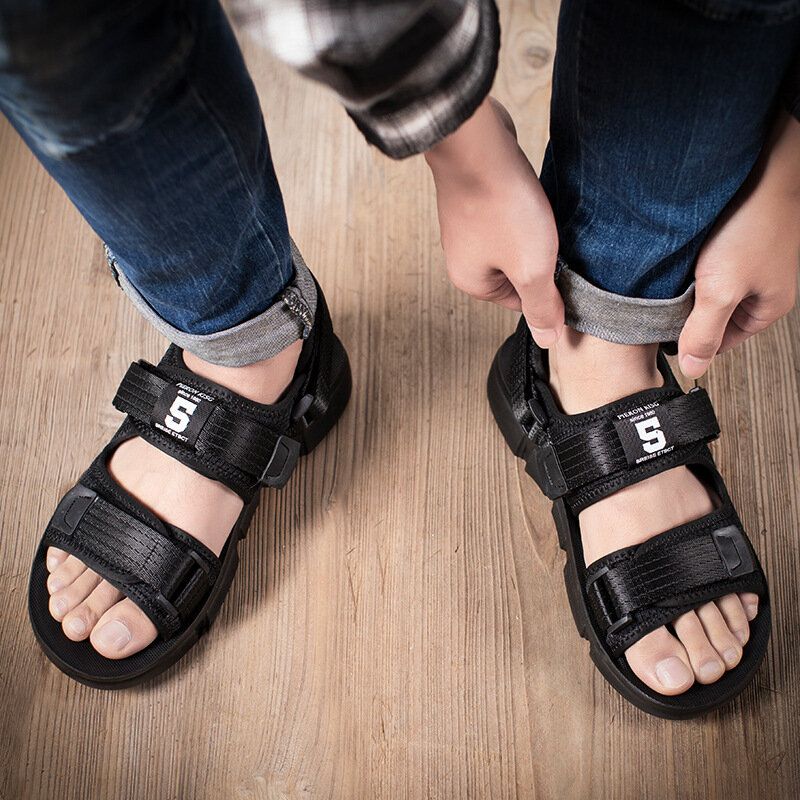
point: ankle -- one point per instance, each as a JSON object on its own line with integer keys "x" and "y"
{"x": 264, "y": 381}
{"x": 587, "y": 372}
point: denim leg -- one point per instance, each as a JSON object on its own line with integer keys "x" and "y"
{"x": 659, "y": 113}
{"x": 146, "y": 116}
{"x": 791, "y": 89}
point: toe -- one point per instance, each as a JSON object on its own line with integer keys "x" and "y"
{"x": 62, "y": 602}
{"x": 719, "y": 634}
{"x": 79, "y": 622}
{"x": 65, "y": 574}
{"x": 705, "y": 660}
{"x": 55, "y": 558}
{"x": 122, "y": 631}
{"x": 735, "y": 616}
{"x": 750, "y": 603}
{"x": 660, "y": 661}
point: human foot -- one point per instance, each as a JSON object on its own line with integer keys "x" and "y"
{"x": 586, "y": 373}
{"x": 88, "y": 606}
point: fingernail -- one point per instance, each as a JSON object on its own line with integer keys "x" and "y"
{"x": 113, "y": 635}
{"x": 77, "y": 626}
{"x": 710, "y": 670}
{"x": 673, "y": 673}
{"x": 545, "y": 337}
{"x": 731, "y": 657}
{"x": 751, "y": 609}
{"x": 52, "y": 563}
{"x": 742, "y": 637}
{"x": 693, "y": 366}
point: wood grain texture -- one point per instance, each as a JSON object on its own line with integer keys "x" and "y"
{"x": 398, "y": 627}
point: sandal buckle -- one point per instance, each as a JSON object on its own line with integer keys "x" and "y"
{"x": 544, "y": 467}
{"x": 72, "y": 508}
{"x": 281, "y": 462}
{"x": 603, "y": 604}
{"x": 733, "y": 550}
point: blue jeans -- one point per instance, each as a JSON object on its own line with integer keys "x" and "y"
{"x": 146, "y": 116}
{"x": 658, "y": 114}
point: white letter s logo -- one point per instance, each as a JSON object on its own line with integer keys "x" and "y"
{"x": 178, "y": 417}
{"x": 652, "y": 436}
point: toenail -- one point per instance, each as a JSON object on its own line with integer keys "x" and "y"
{"x": 52, "y": 563}
{"x": 742, "y": 637}
{"x": 731, "y": 656}
{"x": 710, "y": 670}
{"x": 54, "y": 585}
{"x": 751, "y": 609}
{"x": 77, "y": 626}
{"x": 113, "y": 635}
{"x": 673, "y": 673}
{"x": 60, "y": 606}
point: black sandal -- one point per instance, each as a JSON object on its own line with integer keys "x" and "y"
{"x": 177, "y": 581}
{"x": 577, "y": 460}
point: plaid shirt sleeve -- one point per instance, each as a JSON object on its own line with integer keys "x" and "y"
{"x": 409, "y": 72}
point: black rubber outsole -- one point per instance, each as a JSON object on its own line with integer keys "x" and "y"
{"x": 50, "y": 636}
{"x": 668, "y": 708}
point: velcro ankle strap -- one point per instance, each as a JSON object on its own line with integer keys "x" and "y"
{"x": 207, "y": 428}
{"x": 623, "y": 437}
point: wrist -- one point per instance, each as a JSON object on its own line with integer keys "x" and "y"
{"x": 780, "y": 163}
{"x": 479, "y": 147}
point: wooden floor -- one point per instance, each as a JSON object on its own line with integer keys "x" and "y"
{"x": 399, "y": 626}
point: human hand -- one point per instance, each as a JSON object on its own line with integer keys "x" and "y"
{"x": 497, "y": 228}
{"x": 746, "y": 275}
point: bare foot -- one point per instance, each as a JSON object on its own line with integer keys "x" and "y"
{"x": 89, "y": 607}
{"x": 586, "y": 373}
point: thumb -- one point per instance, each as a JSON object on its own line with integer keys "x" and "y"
{"x": 702, "y": 334}
{"x": 543, "y": 309}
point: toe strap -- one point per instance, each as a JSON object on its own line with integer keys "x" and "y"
{"x": 638, "y": 589}
{"x": 161, "y": 568}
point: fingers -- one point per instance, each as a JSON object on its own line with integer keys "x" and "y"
{"x": 504, "y": 295}
{"x": 703, "y": 331}
{"x": 752, "y": 316}
{"x": 543, "y": 308}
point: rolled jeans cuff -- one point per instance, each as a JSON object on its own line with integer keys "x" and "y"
{"x": 287, "y": 320}
{"x": 620, "y": 319}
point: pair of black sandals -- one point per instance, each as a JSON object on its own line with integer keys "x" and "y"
{"x": 575, "y": 459}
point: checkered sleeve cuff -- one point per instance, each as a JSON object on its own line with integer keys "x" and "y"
{"x": 442, "y": 92}
{"x": 409, "y": 72}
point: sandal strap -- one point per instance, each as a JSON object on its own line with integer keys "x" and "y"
{"x": 636, "y": 433}
{"x": 164, "y": 570}
{"x": 643, "y": 434}
{"x": 636, "y": 590}
{"x": 206, "y": 427}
